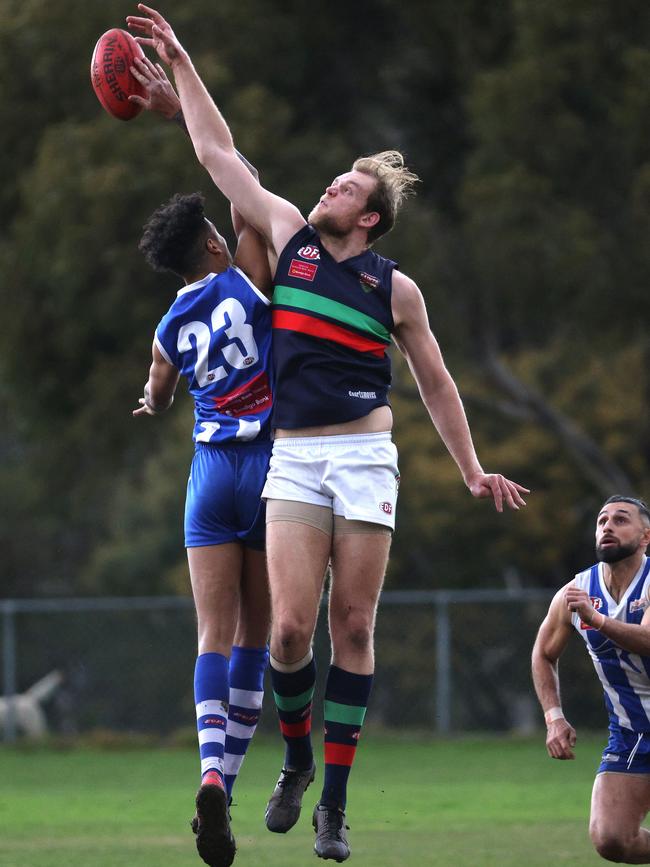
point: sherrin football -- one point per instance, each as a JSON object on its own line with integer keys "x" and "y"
{"x": 110, "y": 74}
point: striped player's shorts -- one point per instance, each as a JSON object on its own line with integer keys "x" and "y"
{"x": 627, "y": 752}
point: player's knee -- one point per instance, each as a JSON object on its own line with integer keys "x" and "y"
{"x": 253, "y": 628}
{"x": 292, "y": 636}
{"x": 609, "y": 845}
{"x": 360, "y": 639}
{"x": 356, "y": 630}
{"x": 254, "y": 634}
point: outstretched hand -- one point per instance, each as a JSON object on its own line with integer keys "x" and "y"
{"x": 157, "y": 33}
{"x": 144, "y": 408}
{"x": 499, "y": 488}
{"x": 160, "y": 95}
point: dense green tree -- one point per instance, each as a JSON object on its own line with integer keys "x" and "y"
{"x": 528, "y": 123}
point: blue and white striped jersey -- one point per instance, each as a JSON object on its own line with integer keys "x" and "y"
{"x": 625, "y": 676}
{"x": 217, "y": 333}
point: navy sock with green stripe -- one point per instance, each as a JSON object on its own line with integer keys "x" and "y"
{"x": 346, "y": 700}
{"x": 293, "y": 692}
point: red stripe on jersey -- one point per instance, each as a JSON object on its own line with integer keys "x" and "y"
{"x": 296, "y": 730}
{"x": 339, "y": 754}
{"x": 327, "y": 331}
{"x": 252, "y": 397}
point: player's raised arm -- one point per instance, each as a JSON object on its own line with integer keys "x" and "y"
{"x": 276, "y": 219}
{"x": 551, "y": 640}
{"x": 160, "y": 98}
{"x": 160, "y": 387}
{"x": 440, "y": 395}
{"x": 251, "y": 254}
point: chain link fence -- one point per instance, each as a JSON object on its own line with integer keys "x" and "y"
{"x": 447, "y": 662}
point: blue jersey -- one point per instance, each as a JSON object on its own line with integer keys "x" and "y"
{"x": 332, "y": 325}
{"x": 217, "y": 333}
{"x": 625, "y": 676}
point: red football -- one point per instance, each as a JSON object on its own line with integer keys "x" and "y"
{"x": 110, "y": 74}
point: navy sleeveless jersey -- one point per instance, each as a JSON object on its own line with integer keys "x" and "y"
{"x": 332, "y": 325}
{"x": 217, "y": 333}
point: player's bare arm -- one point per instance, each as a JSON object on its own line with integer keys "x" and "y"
{"x": 552, "y": 638}
{"x": 276, "y": 219}
{"x": 440, "y": 395}
{"x": 161, "y": 98}
{"x": 633, "y": 637}
{"x": 251, "y": 254}
{"x": 160, "y": 387}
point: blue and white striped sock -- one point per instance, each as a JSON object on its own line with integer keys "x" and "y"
{"x": 246, "y": 672}
{"x": 211, "y": 698}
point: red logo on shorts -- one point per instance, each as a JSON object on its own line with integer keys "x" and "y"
{"x": 386, "y": 507}
{"x": 303, "y": 270}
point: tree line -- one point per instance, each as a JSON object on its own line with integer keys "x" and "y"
{"x": 528, "y": 122}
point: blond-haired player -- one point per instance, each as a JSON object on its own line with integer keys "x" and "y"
{"x": 332, "y": 485}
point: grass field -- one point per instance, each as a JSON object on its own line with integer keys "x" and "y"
{"x": 457, "y": 803}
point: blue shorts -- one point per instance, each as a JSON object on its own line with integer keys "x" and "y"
{"x": 223, "y": 502}
{"x": 627, "y": 752}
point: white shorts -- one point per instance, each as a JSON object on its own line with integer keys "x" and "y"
{"x": 356, "y": 476}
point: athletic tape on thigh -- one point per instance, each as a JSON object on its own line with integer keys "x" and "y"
{"x": 319, "y": 517}
{"x": 344, "y": 525}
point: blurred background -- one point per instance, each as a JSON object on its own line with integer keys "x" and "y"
{"x": 528, "y": 122}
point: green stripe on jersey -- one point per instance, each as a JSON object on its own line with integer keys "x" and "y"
{"x": 344, "y": 713}
{"x": 312, "y": 303}
{"x": 293, "y": 702}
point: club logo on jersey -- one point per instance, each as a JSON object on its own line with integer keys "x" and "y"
{"x": 386, "y": 507}
{"x": 597, "y": 602}
{"x": 368, "y": 281}
{"x": 638, "y": 605}
{"x": 302, "y": 270}
{"x": 309, "y": 252}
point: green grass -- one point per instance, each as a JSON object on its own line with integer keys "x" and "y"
{"x": 480, "y": 803}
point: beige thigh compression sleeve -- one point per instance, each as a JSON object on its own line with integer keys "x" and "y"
{"x": 319, "y": 517}
{"x": 343, "y": 525}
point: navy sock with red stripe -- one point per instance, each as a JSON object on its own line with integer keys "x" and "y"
{"x": 293, "y": 692}
{"x": 346, "y": 700}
